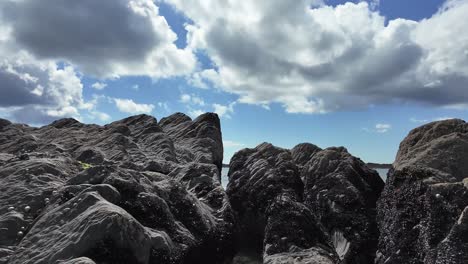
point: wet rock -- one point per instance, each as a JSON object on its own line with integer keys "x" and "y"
{"x": 421, "y": 211}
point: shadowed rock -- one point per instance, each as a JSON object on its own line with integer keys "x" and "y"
{"x": 342, "y": 191}
{"x": 421, "y": 211}
{"x": 266, "y": 192}
{"x": 327, "y": 217}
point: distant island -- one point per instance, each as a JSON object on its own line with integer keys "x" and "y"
{"x": 379, "y": 165}
{"x": 370, "y": 164}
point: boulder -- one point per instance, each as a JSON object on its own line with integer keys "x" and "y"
{"x": 421, "y": 211}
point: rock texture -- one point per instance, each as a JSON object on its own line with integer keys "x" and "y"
{"x": 343, "y": 193}
{"x": 305, "y": 205}
{"x": 422, "y": 211}
{"x": 134, "y": 191}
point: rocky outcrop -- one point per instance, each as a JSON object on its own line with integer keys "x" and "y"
{"x": 343, "y": 192}
{"x": 305, "y": 205}
{"x": 133, "y": 191}
{"x": 422, "y": 210}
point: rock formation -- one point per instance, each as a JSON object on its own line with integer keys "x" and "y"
{"x": 134, "y": 191}
{"x": 305, "y": 205}
{"x": 422, "y": 211}
{"x": 139, "y": 191}
{"x": 343, "y": 192}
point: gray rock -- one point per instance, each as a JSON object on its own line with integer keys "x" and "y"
{"x": 421, "y": 211}
{"x": 133, "y": 191}
{"x": 327, "y": 217}
{"x": 266, "y": 192}
{"x": 342, "y": 191}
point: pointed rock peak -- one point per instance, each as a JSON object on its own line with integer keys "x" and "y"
{"x": 210, "y": 118}
{"x": 303, "y": 152}
{"x": 174, "y": 119}
{"x": 264, "y": 146}
{"x": 65, "y": 122}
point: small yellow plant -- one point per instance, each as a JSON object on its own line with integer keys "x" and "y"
{"x": 85, "y": 165}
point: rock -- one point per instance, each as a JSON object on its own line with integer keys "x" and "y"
{"x": 440, "y": 146}
{"x": 133, "y": 191}
{"x": 265, "y": 191}
{"x": 342, "y": 191}
{"x": 82, "y": 260}
{"x": 306, "y": 205}
{"x": 199, "y": 140}
{"x": 421, "y": 211}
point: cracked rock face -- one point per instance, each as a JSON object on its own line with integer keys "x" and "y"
{"x": 305, "y": 205}
{"x": 133, "y": 191}
{"x": 422, "y": 210}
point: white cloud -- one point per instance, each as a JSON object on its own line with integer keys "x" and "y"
{"x": 135, "y": 87}
{"x": 232, "y": 144}
{"x": 130, "y": 107}
{"x": 327, "y": 59}
{"x": 37, "y": 91}
{"x": 194, "y": 113}
{"x": 224, "y": 110}
{"x": 101, "y": 116}
{"x": 382, "y": 128}
{"x": 415, "y": 120}
{"x": 104, "y": 39}
{"x": 99, "y": 85}
{"x": 192, "y": 99}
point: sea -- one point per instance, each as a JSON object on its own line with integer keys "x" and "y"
{"x": 225, "y": 180}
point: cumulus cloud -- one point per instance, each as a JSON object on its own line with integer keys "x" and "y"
{"x": 130, "y": 107}
{"x": 192, "y": 99}
{"x": 101, "y": 38}
{"x": 382, "y": 128}
{"x": 101, "y": 116}
{"x": 99, "y": 85}
{"x": 320, "y": 59}
{"x": 194, "y": 113}
{"x": 224, "y": 110}
{"x": 37, "y": 92}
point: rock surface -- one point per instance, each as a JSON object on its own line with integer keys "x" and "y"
{"x": 142, "y": 191}
{"x": 329, "y": 219}
{"x": 133, "y": 191}
{"x": 422, "y": 210}
{"x": 343, "y": 192}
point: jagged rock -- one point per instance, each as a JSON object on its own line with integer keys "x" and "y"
{"x": 330, "y": 218}
{"x": 266, "y": 192}
{"x": 133, "y": 191}
{"x": 342, "y": 191}
{"x": 421, "y": 211}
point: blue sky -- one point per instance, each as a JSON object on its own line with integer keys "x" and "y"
{"x": 353, "y": 74}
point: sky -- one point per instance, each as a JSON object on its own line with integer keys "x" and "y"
{"x": 358, "y": 74}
